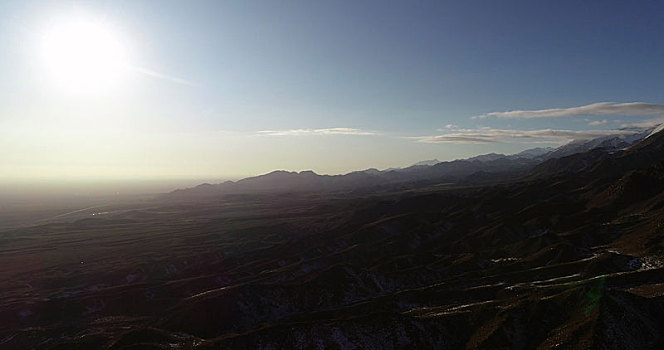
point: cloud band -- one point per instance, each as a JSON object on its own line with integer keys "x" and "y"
{"x": 488, "y": 135}
{"x": 329, "y": 131}
{"x": 600, "y": 108}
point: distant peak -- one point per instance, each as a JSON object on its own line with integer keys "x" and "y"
{"x": 534, "y": 152}
{"x": 427, "y": 162}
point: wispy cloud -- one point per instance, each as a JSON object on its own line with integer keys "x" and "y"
{"x": 644, "y": 124}
{"x": 489, "y": 135}
{"x": 162, "y": 76}
{"x": 601, "y": 108}
{"x": 329, "y": 131}
{"x": 598, "y": 122}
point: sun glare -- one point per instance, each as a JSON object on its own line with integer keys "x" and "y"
{"x": 84, "y": 56}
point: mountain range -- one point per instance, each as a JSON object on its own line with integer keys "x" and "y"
{"x": 502, "y": 252}
{"x": 478, "y": 169}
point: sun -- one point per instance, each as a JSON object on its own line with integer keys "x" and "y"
{"x": 84, "y": 56}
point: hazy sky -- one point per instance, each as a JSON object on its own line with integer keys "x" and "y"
{"x": 222, "y": 89}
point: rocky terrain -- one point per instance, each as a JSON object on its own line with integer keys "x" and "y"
{"x": 562, "y": 252}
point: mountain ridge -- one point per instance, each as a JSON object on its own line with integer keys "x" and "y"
{"x": 474, "y": 169}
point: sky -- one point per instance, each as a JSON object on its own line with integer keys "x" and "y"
{"x": 226, "y": 89}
